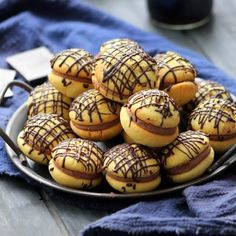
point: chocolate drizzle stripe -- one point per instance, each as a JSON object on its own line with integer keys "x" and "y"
{"x": 78, "y": 79}
{"x": 215, "y": 110}
{"x": 188, "y": 143}
{"x": 78, "y": 174}
{"x": 46, "y": 131}
{"x": 85, "y": 152}
{"x": 183, "y": 168}
{"x": 149, "y": 127}
{"x": 159, "y": 100}
{"x": 92, "y": 104}
{"x": 99, "y": 127}
{"x": 81, "y": 59}
{"x": 127, "y": 67}
{"x": 131, "y": 160}
{"x": 45, "y": 98}
{"x": 208, "y": 89}
{"x": 139, "y": 179}
{"x": 111, "y": 92}
{"x": 119, "y": 42}
{"x": 164, "y": 60}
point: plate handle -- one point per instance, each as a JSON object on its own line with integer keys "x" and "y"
{"x": 20, "y": 84}
{"x": 12, "y": 145}
{"x": 226, "y": 160}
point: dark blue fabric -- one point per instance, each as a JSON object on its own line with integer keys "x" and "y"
{"x": 209, "y": 209}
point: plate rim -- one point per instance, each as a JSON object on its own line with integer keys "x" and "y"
{"x": 112, "y": 195}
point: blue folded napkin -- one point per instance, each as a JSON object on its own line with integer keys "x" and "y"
{"x": 209, "y": 209}
{"x": 201, "y": 210}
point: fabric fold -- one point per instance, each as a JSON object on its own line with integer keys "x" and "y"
{"x": 208, "y": 209}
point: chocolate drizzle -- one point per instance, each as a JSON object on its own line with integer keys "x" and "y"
{"x": 185, "y": 167}
{"x": 215, "y": 110}
{"x": 85, "y": 152}
{"x": 189, "y": 143}
{"x": 94, "y": 104}
{"x": 45, "y": 131}
{"x": 164, "y": 64}
{"x": 74, "y": 58}
{"x": 117, "y": 43}
{"x": 208, "y": 89}
{"x": 46, "y": 99}
{"x": 161, "y": 101}
{"x": 125, "y": 68}
{"x": 132, "y": 161}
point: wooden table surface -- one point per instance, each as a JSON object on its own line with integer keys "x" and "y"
{"x": 27, "y": 210}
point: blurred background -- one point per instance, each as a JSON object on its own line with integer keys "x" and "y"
{"x": 215, "y": 40}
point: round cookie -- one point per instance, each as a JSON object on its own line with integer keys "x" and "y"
{"x": 188, "y": 157}
{"x": 46, "y": 99}
{"x": 217, "y": 118}
{"x": 207, "y": 89}
{"x": 95, "y": 117}
{"x": 123, "y": 70}
{"x": 76, "y": 163}
{"x": 41, "y": 133}
{"x": 72, "y": 71}
{"x": 177, "y": 77}
{"x": 108, "y": 45}
{"x": 132, "y": 168}
{"x": 151, "y": 118}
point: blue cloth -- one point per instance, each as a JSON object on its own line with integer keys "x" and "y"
{"x": 202, "y": 210}
{"x": 209, "y": 209}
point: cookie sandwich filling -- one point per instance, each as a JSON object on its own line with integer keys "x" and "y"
{"x": 188, "y": 166}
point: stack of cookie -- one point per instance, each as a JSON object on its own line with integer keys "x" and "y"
{"x": 123, "y": 90}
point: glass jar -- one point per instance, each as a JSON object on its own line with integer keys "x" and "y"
{"x": 180, "y": 14}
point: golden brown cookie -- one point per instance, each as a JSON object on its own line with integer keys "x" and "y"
{"x": 132, "y": 168}
{"x": 113, "y": 43}
{"x": 127, "y": 138}
{"x": 41, "y": 134}
{"x": 177, "y": 77}
{"x": 95, "y": 117}
{"x": 123, "y": 70}
{"x": 217, "y": 118}
{"x": 207, "y": 89}
{"x": 76, "y": 163}
{"x": 151, "y": 118}
{"x": 72, "y": 71}
{"x": 187, "y": 157}
{"x": 46, "y": 99}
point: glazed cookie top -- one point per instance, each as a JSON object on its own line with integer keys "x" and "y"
{"x": 117, "y": 43}
{"x": 73, "y": 62}
{"x": 44, "y": 131}
{"x": 173, "y": 69}
{"x": 124, "y": 70}
{"x": 91, "y": 107}
{"x": 46, "y": 99}
{"x": 209, "y": 89}
{"x": 154, "y": 107}
{"x": 214, "y": 117}
{"x": 131, "y": 161}
{"x": 78, "y": 155}
{"x": 187, "y": 146}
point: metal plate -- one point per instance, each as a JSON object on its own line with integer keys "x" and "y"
{"x": 41, "y": 175}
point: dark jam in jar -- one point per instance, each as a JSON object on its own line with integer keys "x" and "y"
{"x": 180, "y": 14}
